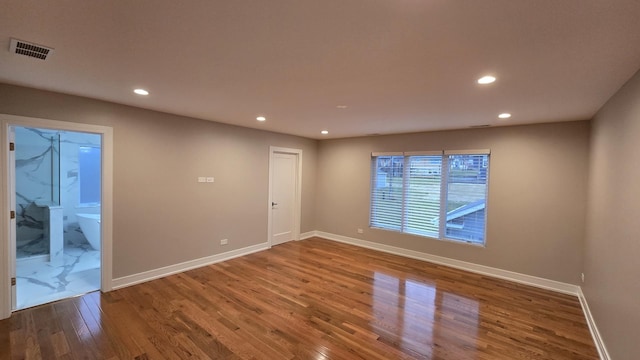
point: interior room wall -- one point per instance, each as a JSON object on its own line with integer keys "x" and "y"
{"x": 612, "y": 247}
{"x": 536, "y": 203}
{"x": 162, "y": 216}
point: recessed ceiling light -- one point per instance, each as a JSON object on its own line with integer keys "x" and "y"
{"x": 261, "y": 118}
{"x": 324, "y": 132}
{"x": 342, "y": 106}
{"x": 504, "y": 116}
{"x": 488, "y": 79}
{"x": 141, "y": 92}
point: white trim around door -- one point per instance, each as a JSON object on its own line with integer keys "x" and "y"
{"x": 298, "y": 193}
{"x": 6, "y": 121}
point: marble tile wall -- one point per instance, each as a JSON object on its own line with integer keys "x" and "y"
{"x": 39, "y": 183}
{"x": 34, "y": 152}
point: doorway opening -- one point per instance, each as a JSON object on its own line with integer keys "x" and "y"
{"x": 57, "y": 187}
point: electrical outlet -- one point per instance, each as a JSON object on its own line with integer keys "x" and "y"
{"x": 210, "y": 179}
{"x": 224, "y": 241}
{"x": 360, "y": 231}
{"x": 201, "y": 179}
{"x": 582, "y": 276}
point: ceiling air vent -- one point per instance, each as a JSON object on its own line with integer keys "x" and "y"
{"x": 30, "y": 49}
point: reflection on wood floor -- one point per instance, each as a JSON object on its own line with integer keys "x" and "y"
{"x": 312, "y": 299}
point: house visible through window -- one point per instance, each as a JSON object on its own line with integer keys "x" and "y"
{"x": 89, "y": 173}
{"x": 412, "y": 192}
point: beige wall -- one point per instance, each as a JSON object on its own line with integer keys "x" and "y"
{"x": 161, "y": 215}
{"x": 612, "y": 248}
{"x": 536, "y": 205}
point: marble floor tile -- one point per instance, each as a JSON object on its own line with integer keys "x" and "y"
{"x": 40, "y": 282}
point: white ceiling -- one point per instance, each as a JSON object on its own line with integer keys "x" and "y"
{"x": 399, "y": 65}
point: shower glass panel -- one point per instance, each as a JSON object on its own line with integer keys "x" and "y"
{"x": 37, "y": 168}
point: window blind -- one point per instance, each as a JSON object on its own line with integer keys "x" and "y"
{"x": 433, "y": 194}
{"x": 422, "y": 195}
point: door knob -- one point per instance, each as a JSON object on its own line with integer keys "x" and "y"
{"x": 274, "y": 203}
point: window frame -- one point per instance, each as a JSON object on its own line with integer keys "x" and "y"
{"x": 444, "y": 192}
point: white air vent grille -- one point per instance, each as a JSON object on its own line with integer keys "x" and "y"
{"x": 30, "y": 49}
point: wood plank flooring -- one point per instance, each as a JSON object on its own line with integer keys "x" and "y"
{"x": 311, "y": 299}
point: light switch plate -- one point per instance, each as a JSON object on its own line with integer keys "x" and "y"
{"x": 202, "y": 179}
{"x": 210, "y": 179}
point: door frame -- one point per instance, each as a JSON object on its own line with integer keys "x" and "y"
{"x": 297, "y": 206}
{"x": 106, "y": 266}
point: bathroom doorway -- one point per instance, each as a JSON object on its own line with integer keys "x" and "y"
{"x": 57, "y": 200}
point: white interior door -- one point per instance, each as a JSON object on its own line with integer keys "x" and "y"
{"x": 284, "y": 190}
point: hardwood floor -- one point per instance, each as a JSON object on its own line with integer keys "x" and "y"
{"x": 312, "y": 299}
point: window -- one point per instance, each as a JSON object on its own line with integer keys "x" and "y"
{"x": 412, "y": 192}
{"x": 89, "y": 159}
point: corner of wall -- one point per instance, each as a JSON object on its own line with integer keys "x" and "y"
{"x": 597, "y": 339}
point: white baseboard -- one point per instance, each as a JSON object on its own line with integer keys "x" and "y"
{"x": 185, "y": 266}
{"x": 307, "y": 235}
{"x": 597, "y": 339}
{"x": 463, "y": 265}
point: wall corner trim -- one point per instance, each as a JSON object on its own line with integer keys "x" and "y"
{"x": 145, "y": 276}
{"x": 552, "y": 285}
{"x": 308, "y": 234}
{"x": 597, "y": 339}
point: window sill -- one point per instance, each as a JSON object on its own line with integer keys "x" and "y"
{"x": 447, "y": 240}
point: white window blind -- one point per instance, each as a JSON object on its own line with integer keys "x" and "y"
{"x": 422, "y": 195}
{"x": 412, "y": 192}
{"x": 386, "y": 192}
